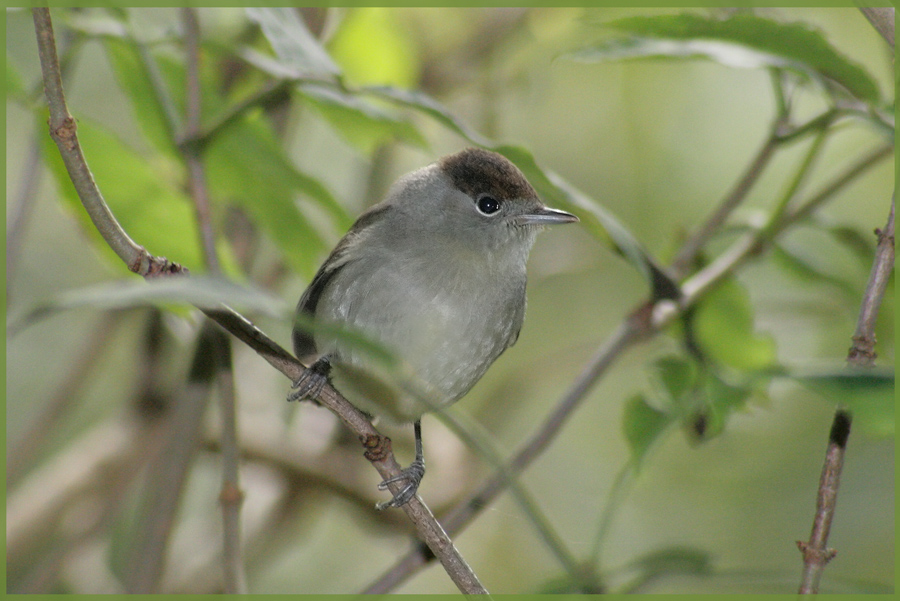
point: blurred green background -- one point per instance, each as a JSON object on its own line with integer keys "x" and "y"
{"x": 657, "y": 142}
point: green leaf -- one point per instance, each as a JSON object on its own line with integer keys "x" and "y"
{"x": 723, "y": 328}
{"x": 203, "y": 291}
{"x": 868, "y": 393}
{"x": 677, "y": 377}
{"x": 803, "y": 269}
{"x": 247, "y": 167}
{"x": 293, "y": 43}
{"x": 553, "y": 188}
{"x": 742, "y": 40}
{"x": 152, "y": 209}
{"x": 372, "y": 47}
{"x": 718, "y": 400}
{"x": 424, "y": 103}
{"x": 361, "y": 122}
{"x": 643, "y": 425}
{"x": 133, "y": 73}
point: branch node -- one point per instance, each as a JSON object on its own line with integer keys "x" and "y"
{"x": 152, "y": 267}
{"x": 65, "y": 133}
{"x": 862, "y": 352}
{"x": 816, "y": 556}
{"x": 377, "y": 447}
{"x": 882, "y": 237}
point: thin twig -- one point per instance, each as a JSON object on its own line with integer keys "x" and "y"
{"x": 862, "y": 353}
{"x": 62, "y": 130}
{"x": 816, "y": 553}
{"x": 689, "y": 250}
{"x": 196, "y": 173}
{"x": 378, "y": 449}
{"x": 644, "y": 321}
{"x": 231, "y": 495}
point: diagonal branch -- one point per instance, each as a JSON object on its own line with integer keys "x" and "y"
{"x": 643, "y": 322}
{"x": 138, "y": 260}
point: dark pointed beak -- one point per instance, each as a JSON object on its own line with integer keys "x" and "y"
{"x": 545, "y": 216}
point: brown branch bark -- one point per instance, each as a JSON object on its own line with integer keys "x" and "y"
{"x": 816, "y": 553}
{"x": 643, "y": 322}
{"x": 378, "y": 449}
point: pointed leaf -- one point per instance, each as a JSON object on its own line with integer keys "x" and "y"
{"x": 642, "y": 425}
{"x": 202, "y": 291}
{"x": 724, "y": 329}
{"x": 360, "y": 121}
{"x": 426, "y": 104}
{"x": 154, "y": 212}
{"x": 292, "y": 42}
{"x": 247, "y": 167}
{"x": 133, "y": 74}
{"x": 868, "y": 393}
{"x": 677, "y": 376}
{"x": 742, "y": 40}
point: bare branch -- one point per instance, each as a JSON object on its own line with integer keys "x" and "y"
{"x": 378, "y": 447}
{"x": 816, "y": 553}
{"x": 862, "y": 353}
{"x": 63, "y": 132}
{"x": 643, "y": 322}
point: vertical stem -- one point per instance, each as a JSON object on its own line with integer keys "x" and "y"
{"x": 231, "y": 495}
{"x": 816, "y": 553}
{"x": 197, "y": 175}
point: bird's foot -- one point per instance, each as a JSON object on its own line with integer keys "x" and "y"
{"x": 412, "y": 475}
{"x": 311, "y": 382}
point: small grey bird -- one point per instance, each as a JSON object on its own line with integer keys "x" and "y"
{"x": 435, "y": 273}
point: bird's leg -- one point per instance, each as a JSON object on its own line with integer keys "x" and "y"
{"x": 412, "y": 474}
{"x": 312, "y": 380}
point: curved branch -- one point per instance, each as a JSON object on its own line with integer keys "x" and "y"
{"x": 378, "y": 447}
{"x": 63, "y": 132}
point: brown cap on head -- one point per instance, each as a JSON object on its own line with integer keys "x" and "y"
{"x": 477, "y": 171}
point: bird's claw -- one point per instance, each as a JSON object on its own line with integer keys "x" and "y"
{"x": 413, "y": 476}
{"x": 311, "y": 382}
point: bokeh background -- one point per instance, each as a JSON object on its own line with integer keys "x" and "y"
{"x": 656, "y": 142}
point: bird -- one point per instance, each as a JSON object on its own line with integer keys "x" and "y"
{"x": 435, "y": 274}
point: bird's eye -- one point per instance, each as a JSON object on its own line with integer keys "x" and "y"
{"x": 488, "y": 205}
